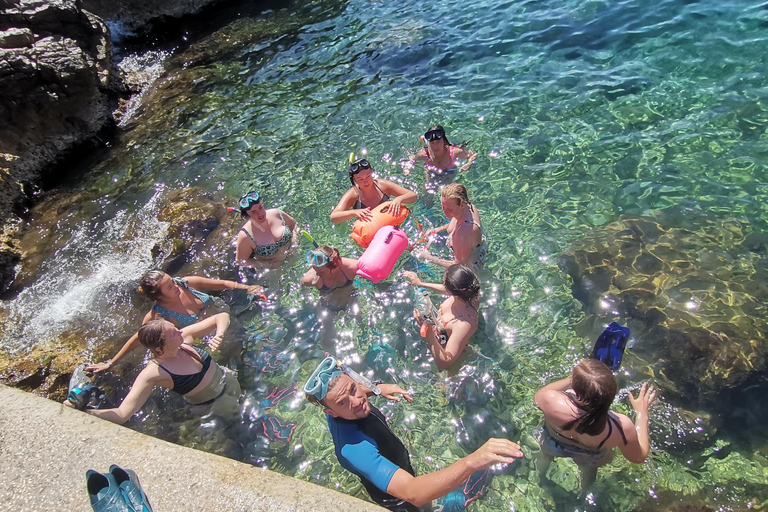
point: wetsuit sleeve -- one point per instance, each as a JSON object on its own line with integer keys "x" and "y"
{"x": 364, "y": 459}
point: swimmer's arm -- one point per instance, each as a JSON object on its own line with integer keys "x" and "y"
{"x": 129, "y": 345}
{"x": 434, "y": 259}
{"x": 438, "y": 229}
{"x": 421, "y": 155}
{"x": 446, "y": 356}
{"x": 390, "y": 392}
{"x": 137, "y": 397}
{"x": 204, "y": 283}
{"x": 470, "y": 155}
{"x": 638, "y": 443}
{"x": 415, "y": 280}
{"x": 218, "y": 321}
{"x": 311, "y": 278}
{"x": 243, "y": 253}
{"x": 342, "y": 211}
{"x": 423, "y": 489}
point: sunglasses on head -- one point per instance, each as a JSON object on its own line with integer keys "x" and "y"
{"x": 434, "y": 135}
{"x": 359, "y": 165}
{"x": 316, "y": 259}
{"x": 248, "y": 200}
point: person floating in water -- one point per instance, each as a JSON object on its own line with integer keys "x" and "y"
{"x": 366, "y": 446}
{"x": 579, "y": 424}
{"x": 448, "y": 328}
{"x": 265, "y": 240}
{"x": 180, "y": 300}
{"x": 177, "y": 365}
{"x": 465, "y": 232}
{"x": 367, "y": 193}
{"x": 441, "y": 158}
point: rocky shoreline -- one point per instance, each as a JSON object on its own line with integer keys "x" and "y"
{"x": 60, "y": 93}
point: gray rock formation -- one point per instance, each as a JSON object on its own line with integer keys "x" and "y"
{"x": 58, "y": 88}
{"x": 137, "y": 15}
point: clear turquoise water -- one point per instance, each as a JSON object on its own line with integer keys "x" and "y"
{"x": 580, "y": 111}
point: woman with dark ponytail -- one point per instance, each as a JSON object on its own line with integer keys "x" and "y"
{"x": 448, "y": 328}
{"x": 579, "y": 424}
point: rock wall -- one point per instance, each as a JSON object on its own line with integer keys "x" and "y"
{"x": 138, "y": 15}
{"x": 58, "y": 89}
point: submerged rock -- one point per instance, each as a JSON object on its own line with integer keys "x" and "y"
{"x": 692, "y": 289}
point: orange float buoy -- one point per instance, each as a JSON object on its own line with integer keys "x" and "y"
{"x": 364, "y": 231}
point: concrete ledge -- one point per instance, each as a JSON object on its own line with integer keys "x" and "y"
{"x": 46, "y": 448}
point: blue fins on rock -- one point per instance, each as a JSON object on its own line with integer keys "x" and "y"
{"x": 609, "y": 347}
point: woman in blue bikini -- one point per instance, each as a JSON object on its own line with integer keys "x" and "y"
{"x": 263, "y": 241}
{"x": 178, "y": 300}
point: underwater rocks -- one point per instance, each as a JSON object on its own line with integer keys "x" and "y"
{"x": 58, "y": 88}
{"x": 200, "y": 233}
{"x": 693, "y": 289}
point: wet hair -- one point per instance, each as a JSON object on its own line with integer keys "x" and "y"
{"x": 353, "y": 174}
{"x": 595, "y": 388}
{"x": 445, "y": 135}
{"x": 462, "y": 282}
{"x": 152, "y": 335}
{"x": 455, "y": 191}
{"x": 332, "y": 254}
{"x": 149, "y": 285}
{"x": 331, "y": 384}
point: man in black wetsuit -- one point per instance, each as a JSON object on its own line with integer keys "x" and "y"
{"x": 367, "y": 447}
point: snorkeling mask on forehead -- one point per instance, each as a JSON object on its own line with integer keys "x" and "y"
{"x": 328, "y": 369}
{"x": 249, "y": 200}
{"x": 317, "y": 259}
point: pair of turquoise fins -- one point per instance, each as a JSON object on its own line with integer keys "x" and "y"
{"x": 116, "y": 491}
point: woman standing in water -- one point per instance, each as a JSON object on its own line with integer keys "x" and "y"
{"x": 177, "y": 365}
{"x": 441, "y": 158}
{"x": 449, "y": 327}
{"x": 180, "y": 300}
{"x": 265, "y": 239}
{"x": 367, "y": 193}
{"x": 579, "y": 424}
{"x": 465, "y": 233}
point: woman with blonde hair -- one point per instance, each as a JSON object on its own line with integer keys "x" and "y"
{"x": 465, "y": 232}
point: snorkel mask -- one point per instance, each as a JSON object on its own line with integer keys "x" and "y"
{"x": 249, "y": 200}
{"x": 328, "y": 369}
{"x": 317, "y": 258}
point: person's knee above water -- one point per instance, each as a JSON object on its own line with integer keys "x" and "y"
{"x": 366, "y": 446}
{"x": 329, "y": 270}
{"x": 448, "y": 328}
{"x": 180, "y": 300}
{"x": 441, "y": 158}
{"x": 176, "y": 365}
{"x": 267, "y": 236}
{"x": 579, "y": 423}
{"x": 368, "y": 192}
{"x": 465, "y": 232}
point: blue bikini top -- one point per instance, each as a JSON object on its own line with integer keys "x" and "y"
{"x": 184, "y": 319}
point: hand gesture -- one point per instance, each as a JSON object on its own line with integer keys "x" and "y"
{"x": 364, "y": 214}
{"x": 254, "y": 289}
{"x": 417, "y": 316}
{"x": 215, "y": 342}
{"x": 422, "y": 254}
{"x": 644, "y": 399}
{"x": 98, "y": 367}
{"x": 412, "y": 277}
{"x": 389, "y": 391}
{"x": 394, "y": 207}
{"x": 493, "y": 451}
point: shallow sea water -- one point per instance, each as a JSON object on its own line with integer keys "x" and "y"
{"x": 581, "y": 112}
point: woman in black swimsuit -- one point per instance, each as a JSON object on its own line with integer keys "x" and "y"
{"x": 368, "y": 192}
{"x": 579, "y": 424}
{"x": 180, "y": 367}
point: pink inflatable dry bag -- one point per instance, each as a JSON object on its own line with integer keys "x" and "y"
{"x": 380, "y": 257}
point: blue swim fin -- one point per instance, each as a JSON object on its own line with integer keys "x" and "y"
{"x": 609, "y": 347}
